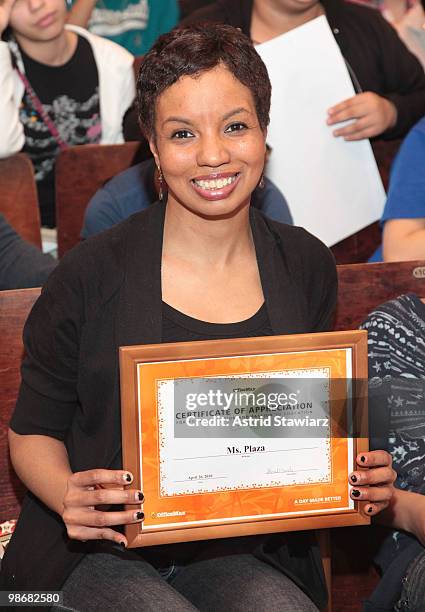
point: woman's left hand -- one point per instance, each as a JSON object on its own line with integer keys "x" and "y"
{"x": 374, "y": 484}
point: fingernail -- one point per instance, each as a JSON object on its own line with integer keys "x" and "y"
{"x": 140, "y": 497}
{"x": 370, "y": 509}
{"x": 127, "y": 477}
{"x": 123, "y": 544}
{"x": 362, "y": 458}
{"x": 355, "y": 493}
{"x": 353, "y": 478}
{"x": 139, "y": 516}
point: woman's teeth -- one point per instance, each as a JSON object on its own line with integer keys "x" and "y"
{"x": 215, "y": 183}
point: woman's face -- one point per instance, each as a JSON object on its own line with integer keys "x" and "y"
{"x": 208, "y": 142}
{"x": 38, "y": 20}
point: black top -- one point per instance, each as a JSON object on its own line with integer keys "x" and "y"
{"x": 179, "y": 327}
{"x": 104, "y": 294}
{"x": 70, "y": 97}
{"x": 379, "y": 59}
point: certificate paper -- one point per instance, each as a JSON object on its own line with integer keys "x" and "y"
{"x": 214, "y": 450}
{"x": 322, "y": 177}
{"x": 251, "y": 462}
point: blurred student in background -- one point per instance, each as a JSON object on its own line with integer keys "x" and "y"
{"x": 403, "y": 219}
{"x": 396, "y": 343}
{"x": 134, "y": 24}
{"x": 389, "y": 81}
{"x": 408, "y": 18}
{"x": 60, "y": 86}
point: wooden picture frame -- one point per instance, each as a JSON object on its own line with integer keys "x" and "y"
{"x": 254, "y": 498}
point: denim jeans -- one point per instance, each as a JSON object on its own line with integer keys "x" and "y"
{"x": 236, "y": 583}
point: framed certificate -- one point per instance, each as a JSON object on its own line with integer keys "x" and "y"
{"x": 244, "y": 436}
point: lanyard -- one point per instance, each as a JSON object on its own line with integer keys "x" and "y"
{"x": 39, "y": 108}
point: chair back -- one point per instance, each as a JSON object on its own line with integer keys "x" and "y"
{"x": 80, "y": 172}
{"x": 363, "y": 287}
{"x": 358, "y": 247}
{"x": 18, "y": 197}
{"x": 385, "y": 152}
{"x": 14, "y": 309}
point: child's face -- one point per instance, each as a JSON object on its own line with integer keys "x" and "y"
{"x": 38, "y": 20}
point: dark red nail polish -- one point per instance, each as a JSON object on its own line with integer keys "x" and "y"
{"x": 355, "y": 493}
{"x": 123, "y": 544}
{"x": 128, "y": 478}
{"x": 354, "y": 478}
{"x": 141, "y": 496}
{"x": 370, "y": 509}
{"x": 362, "y": 458}
{"x": 140, "y": 516}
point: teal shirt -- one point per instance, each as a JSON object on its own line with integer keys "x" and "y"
{"x": 134, "y": 24}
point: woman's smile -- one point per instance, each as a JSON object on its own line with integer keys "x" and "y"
{"x": 216, "y": 186}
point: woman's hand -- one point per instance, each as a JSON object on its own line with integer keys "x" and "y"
{"x": 375, "y": 484}
{"x": 5, "y": 10}
{"x": 373, "y": 115}
{"x": 88, "y": 490}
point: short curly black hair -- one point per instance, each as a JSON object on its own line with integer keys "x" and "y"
{"x": 192, "y": 50}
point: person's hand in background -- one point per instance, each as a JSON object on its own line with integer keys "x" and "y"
{"x": 371, "y": 116}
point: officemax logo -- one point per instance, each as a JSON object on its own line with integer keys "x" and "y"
{"x": 166, "y": 514}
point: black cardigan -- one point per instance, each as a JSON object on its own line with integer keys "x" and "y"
{"x": 370, "y": 46}
{"x": 106, "y": 293}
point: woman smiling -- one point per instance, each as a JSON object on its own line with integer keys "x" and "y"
{"x": 203, "y": 265}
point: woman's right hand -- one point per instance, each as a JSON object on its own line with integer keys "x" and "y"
{"x": 88, "y": 490}
{"x": 5, "y": 10}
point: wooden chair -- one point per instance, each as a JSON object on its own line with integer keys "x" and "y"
{"x": 14, "y": 309}
{"x": 80, "y": 172}
{"x": 362, "y": 287}
{"x": 358, "y": 247}
{"x": 18, "y": 197}
{"x": 385, "y": 152}
{"x": 361, "y": 245}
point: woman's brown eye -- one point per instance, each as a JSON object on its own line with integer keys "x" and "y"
{"x": 180, "y": 134}
{"x": 236, "y": 127}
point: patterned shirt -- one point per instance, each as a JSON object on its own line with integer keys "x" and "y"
{"x": 396, "y": 341}
{"x": 396, "y": 350}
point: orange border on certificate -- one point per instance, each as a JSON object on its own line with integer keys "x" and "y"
{"x": 194, "y": 515}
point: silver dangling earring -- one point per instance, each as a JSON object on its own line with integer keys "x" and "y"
{"x": 161, "y": 182}
{"x": 261, "y": 184}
